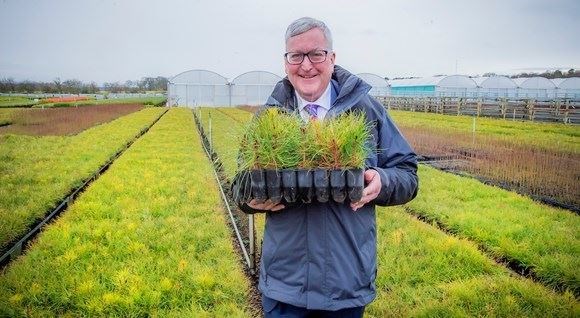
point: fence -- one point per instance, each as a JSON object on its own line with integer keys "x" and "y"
{"x": 563, "y": 110}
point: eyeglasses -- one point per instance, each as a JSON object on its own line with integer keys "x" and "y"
{"x": 296, "y": 58}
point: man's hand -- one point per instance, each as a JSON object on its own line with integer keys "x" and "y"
{"x": 266, "y": 206}
{"x": 371, "y": 191}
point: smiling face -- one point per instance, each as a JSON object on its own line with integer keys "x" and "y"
{"x": 309, "y": 80}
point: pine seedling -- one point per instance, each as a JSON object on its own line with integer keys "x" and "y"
{"x": 346, "y": 141}
{"x": 271, "y": 141}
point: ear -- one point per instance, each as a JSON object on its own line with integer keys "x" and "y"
{"x": 332, "y": 57}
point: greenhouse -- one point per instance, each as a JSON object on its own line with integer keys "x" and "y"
{"x": 496, "y": 87}
{"x": 568, "y": 88}
{"x": 207, "y": 88}
{"x": 380, "y": 86}
{"x": 198, "y": 88}
{"x": 436, "y": 86}
{"x": 539, "y": 88}
{"x": 253, "y": 88}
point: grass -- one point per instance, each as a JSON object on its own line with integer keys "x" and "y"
{"x": 16, "y": 101}
{"x": 510, "y": 226}
{"x": 227, "y": 129}
{"x": 148, "y": 238}
{"x": 151, "y": 101}
{"x": 6, "y": 116}
{"x": 228, "y": 126}
{"x": 37, "y": 172}
{"x": 426, "y": 272}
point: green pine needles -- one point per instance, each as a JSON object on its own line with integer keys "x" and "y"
{"x": 276, "y": 139}
{"x": 346, "y": 140}
{"x": 271, "y": 140}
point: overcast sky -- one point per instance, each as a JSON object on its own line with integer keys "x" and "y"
{"x": 117, "y": 40}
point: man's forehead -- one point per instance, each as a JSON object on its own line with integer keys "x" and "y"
{"x": 309, "y": 40}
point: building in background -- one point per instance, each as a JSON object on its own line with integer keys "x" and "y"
{"x": 206, "y": 88}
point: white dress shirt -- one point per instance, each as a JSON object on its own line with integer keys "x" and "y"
{"x": 323, "y": 101}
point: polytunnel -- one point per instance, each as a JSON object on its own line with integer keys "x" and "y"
{"x": 380, "y": 87}
{"x": 420, "y": 86}
{"x": 496, "y": 87}
{"x": 436, "y": 86}
{"x": 568, "y": 88}
{"x": 253, "y": 88}
{"x": 539, "y": 88}
{"x": 457, "y": 86}
{"x": 198, "y": 88}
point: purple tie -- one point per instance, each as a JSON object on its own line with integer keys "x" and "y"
{"x": 312, "y": 110}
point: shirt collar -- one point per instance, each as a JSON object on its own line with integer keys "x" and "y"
{"x": 323, "y": 101}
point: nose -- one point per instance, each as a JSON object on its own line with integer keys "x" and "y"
{"x": 306, "y": 64}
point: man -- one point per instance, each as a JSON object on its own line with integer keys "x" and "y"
{"x": 319, "y": 259}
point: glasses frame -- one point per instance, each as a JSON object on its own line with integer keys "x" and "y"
{"x": 305, "y": 54}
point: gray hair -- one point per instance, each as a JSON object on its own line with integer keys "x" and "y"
{"x": 306, "y": 24}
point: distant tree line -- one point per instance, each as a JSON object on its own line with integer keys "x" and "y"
{"x": 74, "y": 86}
{"x": 547, "y": 74}
{"x": 554, "y": 74}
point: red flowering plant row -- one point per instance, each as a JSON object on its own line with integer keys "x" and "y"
{"x": 64, "y": 99}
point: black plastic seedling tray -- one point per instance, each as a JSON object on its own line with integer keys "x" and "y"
{"x": 306, "y": 186}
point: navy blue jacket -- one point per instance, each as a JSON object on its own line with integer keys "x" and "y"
{"x": 323, "y": 255}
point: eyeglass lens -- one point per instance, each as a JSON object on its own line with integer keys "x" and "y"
{"x": 317, "y": 56}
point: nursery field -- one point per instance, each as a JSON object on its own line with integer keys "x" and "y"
{"x": 538, "y": 159}
{"x": 455, "y": 262}
{"x": 553, "y": 136}
{"x": 148, "y": 238}
{"x": 61, "y": 121}
{"x": 26, "y": 102}
{"x": 151, "y": 101}
{"x": 6, "y": 116}
{"x": 37, "y": 172}
{"x": 12, "y": 101}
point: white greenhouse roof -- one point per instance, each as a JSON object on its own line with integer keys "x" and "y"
{"x": 373, "y": 79}
{"x": 451, "y": 81}
{"x": 418, "y": 81}
{"x": 519, "y": 80}
{"x": 534, "y": 83}
{"x": 201, "y": 77}
{"x": 497, "y": 82}
{"x": 457, "y": 81}
{"x": 257, "y": 78}
{"x": 479, "y": 80}
{"x": 569, "y": 83}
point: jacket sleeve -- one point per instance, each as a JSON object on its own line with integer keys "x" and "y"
{"x": 395, "y": 160}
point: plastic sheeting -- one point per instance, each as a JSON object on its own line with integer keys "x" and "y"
{"x": 253, "y": 88}
{"x": 380, "y": 86}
